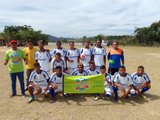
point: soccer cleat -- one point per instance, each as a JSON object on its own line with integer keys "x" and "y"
{"x": 31, "y": 99}
{"x": 96, "y": 98}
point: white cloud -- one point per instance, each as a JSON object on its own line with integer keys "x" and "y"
{"x": 76, "y": 18}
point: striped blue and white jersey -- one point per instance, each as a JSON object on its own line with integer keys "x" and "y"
{"x": 77, "y": 73}
{"x": 92, "y": 72}
{"x": 73, "y": 55}
{"x": 39, "y": 79}
{"x": 138, "y": 80}
{"x": 88, "y": 54}
{"x": 124, "y": 81}
{"x": 43, "y": 59}
{"x": 61, "y": 63}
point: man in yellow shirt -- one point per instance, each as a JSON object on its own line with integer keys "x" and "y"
{"x": 30, "y": 53}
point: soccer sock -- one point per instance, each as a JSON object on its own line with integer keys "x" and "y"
{"x": 51, "y": 90}
{"x": 115, "y": 90}
{"x": 144, "y": 90}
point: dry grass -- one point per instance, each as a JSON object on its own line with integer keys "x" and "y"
{"x": 82, "y": 106}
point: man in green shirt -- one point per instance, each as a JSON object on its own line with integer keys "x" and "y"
{"x": 15, "y": 58}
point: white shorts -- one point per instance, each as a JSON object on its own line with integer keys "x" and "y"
{"x": 108, "y": 90}
{"x": 56, "y": 90}
{"x": 42, "y": 89}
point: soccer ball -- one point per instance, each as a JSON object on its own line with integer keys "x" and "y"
{"x": 83, "y": 56}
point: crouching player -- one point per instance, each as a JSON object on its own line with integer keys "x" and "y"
{"x": 141, "y": 80}
{"x": 92, "y": 69}
{"x": 56, "y": 83}
{"x": 123, "y": 81}
{"x": 107, "y": 83}
{"x": 79, "y": 71}
{"x": 38, "y": 82}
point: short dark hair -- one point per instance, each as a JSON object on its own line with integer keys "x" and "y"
{"x": 40, "y": 41}
{"x": 29, "y": 40}
{"x": 36, "y": 64}
{"x": 99, "y": 40}
{"x": 115, "y": 42}
{"x": 58, "y": 42}
{"x": 141, "y": 67}
{"x": 91, "y": 62}
{"x": 123, "y": 67}
{"x": 58, "y": 54}
{"x": 103, "y": 67}
{"x": 58, "y": 67}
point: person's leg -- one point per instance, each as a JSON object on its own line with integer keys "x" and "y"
{"x": 21, "y": 80}
{"x": 13, "y": 84}
{"x": 144, "y": 90}
{"x": 28, "y": 73}
{"x": 107, "y": 90}
{"x": 115, "y": 90}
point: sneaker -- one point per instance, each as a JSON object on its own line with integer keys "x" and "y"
{"x": 52, "y": 99}
{"x": 24, "y": 95}
{"x": 96, "y": 98}
{"x": 31, "y": 99}
{"x": 65, "y": 95}
{"x": 13, "y": 95}
{"x": 107, "y": 96}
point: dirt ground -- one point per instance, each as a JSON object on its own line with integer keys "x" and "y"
{"x": 82, "y": 107}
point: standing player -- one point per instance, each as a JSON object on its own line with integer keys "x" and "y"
{"x": 72, "y": 57}
{"x": 115, "y": 57}
{"x": 141, "y": 80}
{"x": 56, "y": 82}
{"x": 86, "y": 54}
{"x": 38, "y": 82}
{"x": 60, "y": 50}
{"x": 43, "y": 57}
{"x": 92, "y": 69}
{"x": 79, "y": 71}
{"x": 15, "y": 58}
{"x": 99, "y": 54}
{"x": 123, "y": 81}
{"x": 29, "y": 52}
{"x": 58, "y": 61}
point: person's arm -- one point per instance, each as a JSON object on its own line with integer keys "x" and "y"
{"x": 6, "y": 58}
{"x": 104, "y": 58}
{"x": 139, "y": 92}
{"x": 109, "y": 83}
{"x": 122, "y": 58}
{"x": 5, "y": 62}
{"x": 120, "y": 87}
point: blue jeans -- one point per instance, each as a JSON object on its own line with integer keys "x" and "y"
{"x": 13, "y": 77}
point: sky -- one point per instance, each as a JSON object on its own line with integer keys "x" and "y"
{"x": 78, "y": 18}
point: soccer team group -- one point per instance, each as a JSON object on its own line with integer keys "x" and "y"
{"x": 75, "y": 62}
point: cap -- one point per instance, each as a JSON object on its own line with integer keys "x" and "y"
{"x": 13, "y": 41}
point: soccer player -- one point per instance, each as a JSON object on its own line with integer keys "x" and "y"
{"x": 60, "y": 50}
{"x": 115, "y": 58}
{"x": 29, "y": 52}
{"x": 72, "y": 57}
{"x": 79, "y": 71}
{"x": 123, "y": 81}
{"x": 43, "y": 57}
{"x": 92, "y": 69}
{"x": 15, "y": 58}
{"x": 86, "y": 54}
{"x": 38, "y": 82}
{"x": 99, "y": 54}
{"x": 56, "y": 82}
{"x": 58, "y": 61}
{"x": 141, "y": 80}
{"x": 107, "y": 83}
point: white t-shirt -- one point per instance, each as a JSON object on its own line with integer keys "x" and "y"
{"x": 43, "y": 59}
{"x": 39, "y": 79}
{"x": 88, "y": 54}
{"x": 61, "y": 63}
{"x": 73, "y": 55}
{"x": 124, "y": 81}
{"x": 58, "y": 81}
{"x": 139, "y": 80}
{"x": 92, "y": 72}
{"x": 62, "y": 51}
{"x": 99, "y": 54}
{"x": 77, "y": 73}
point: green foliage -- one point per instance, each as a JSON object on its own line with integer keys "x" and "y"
{"x": 23, "y": 33}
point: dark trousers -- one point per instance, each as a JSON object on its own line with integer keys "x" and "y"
{"x": 112, "y": 71}
{"x": 28, "y": 73}
{"x": 13, "y": 77}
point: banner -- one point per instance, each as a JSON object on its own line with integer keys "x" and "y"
{"x": 84, "y": 84}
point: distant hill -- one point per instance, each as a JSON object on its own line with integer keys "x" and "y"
{"x": 54, "y": 39}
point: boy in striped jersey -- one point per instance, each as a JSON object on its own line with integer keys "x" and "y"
{"x": 43, "y": 57}
{"x": 58, "y": 61}
{"x": 38, "y": 82}
{"x": 141, "y": 80}
{"x": 79, "y": 71}
{"x": 92, "y": 69}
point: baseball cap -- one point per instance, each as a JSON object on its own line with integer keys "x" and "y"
{"x": 13, "y": 41}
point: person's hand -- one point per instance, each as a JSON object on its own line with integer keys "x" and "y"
{"x": 139, "y": 93}
{"x": 6, "y": 62}
{"x": 54, "y": 86}
{"x": 45, "y": 89}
